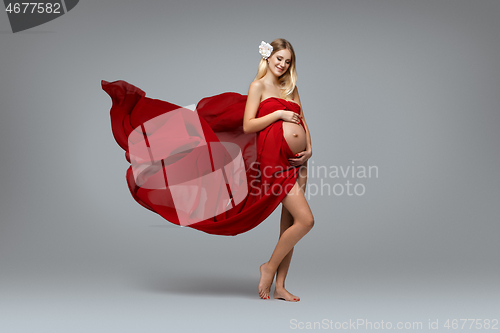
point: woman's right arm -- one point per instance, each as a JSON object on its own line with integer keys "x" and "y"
{"x": 250, "y": 123}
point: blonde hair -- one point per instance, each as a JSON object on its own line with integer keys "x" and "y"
{"x": 288, "y": 80}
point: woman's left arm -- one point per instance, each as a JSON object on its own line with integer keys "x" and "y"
{"x": 307, "y": 153}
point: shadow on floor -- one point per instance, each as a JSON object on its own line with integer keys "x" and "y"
{"x": 206, "y": 285}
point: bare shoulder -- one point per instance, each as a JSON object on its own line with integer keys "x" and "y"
{"x": 257, "y": 86}
{"x": 256, "y": 90}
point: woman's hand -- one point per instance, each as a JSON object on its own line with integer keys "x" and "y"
{"x": 301, "y": 158}
{"x": 290, "y": 116}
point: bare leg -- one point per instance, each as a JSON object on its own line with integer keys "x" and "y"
{"x": 279, "y": 290}
{"x": 295, "y": 202}
{"x": 286, "y": 221}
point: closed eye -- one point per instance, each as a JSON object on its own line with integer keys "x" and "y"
{"x": 288, "y": 62}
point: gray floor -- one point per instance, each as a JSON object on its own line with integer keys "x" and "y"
{"x": 160, "y": 301}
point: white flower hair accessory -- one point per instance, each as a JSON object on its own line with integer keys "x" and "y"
{"x": 265, "y": 49}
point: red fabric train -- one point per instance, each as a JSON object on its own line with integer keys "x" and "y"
{"x": 198, "y": 168}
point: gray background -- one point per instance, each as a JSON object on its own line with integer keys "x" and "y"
{"x": 409, "y": 86}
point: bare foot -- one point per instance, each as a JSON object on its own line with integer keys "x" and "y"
{"x": 282, "y": 293}
{"x": 266, "y": 280}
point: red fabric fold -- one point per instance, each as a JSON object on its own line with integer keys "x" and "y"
{"x": 198, "y": 168}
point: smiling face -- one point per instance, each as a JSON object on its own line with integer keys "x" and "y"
{"x": 279, "y": 62}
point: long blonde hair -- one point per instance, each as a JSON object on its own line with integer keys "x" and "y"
{"x": 287, "y": 80}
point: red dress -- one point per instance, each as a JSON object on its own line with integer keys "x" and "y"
{"x": 198, "y": 168}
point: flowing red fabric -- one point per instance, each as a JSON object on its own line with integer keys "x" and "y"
{"x": 198, "y": 168}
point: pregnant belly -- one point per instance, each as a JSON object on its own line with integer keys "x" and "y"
{"x": 295, "y": 136}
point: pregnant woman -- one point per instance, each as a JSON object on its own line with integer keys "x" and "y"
{"x": 224, "y": 168}
{"x": 273, "y": 93}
